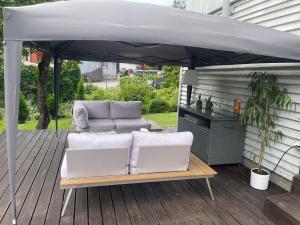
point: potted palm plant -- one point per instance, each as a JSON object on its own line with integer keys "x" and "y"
{"x": 261, "y": 111}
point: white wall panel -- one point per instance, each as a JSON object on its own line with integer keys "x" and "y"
{"x": 226, "y": 83}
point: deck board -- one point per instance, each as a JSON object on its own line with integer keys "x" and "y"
{"x": 40, "y": 200}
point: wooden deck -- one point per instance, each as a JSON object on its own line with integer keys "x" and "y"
{"x": 40, "y": 200}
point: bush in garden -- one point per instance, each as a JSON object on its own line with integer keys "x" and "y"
{"x": 1, "y": 114}
{"x": 169, "y": 95}
{"x": 80, "y": 90}
{"x": 70, "y": 76}
{"x": 159, "y": 106}
{"x": 102, "y": 94}
{"x": 65, "y": 108}
{"x": 134, "y": 89}
{"x": 29, "y": 78}
{"x": 89, "y": 89}
{"x": 173, "y": 101}
{"x": 36, "y": 116}
{"x": 51, "y": 105}
{"x": 172, "y": 76}
{"x": 23, "y": 109}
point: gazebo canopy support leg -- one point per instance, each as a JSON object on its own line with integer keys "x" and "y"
{"x": 57, "y": 70}
{"x": 12, "y": 75}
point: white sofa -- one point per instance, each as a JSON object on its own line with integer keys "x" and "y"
{"x": 96, "y": 155}
{"x": 97, "y": 116}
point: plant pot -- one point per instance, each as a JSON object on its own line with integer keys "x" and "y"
{"x": 259, "y": 181}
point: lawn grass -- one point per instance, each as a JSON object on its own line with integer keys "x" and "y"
{"x": 162, "y": 119}
{"x": 64, "y": 123}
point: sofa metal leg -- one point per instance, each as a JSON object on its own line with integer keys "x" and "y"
{"x": 66, "y": 202}
{"x": 209, "y": 188}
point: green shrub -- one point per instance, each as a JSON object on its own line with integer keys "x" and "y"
{"x": 159, "y": 106}
{"x": 23, "y": 109}
{"x": 169, "y": 95}
{"x": 80, "y": 90}
{"x": 70, "y": 76}
{"x": 1, "y": 114}
{"x": 36, "y": 116}
{"x": 172, "y": 76}
{"x": 89, "y": 89}
{"x": 29, "y": 77}
{"x": 51, "y": 105}
{"x": 102, "y": 94}
{"x": 145, "y": 108}
{"x": 134, "y": 89}
{"x": 65, "y": 109}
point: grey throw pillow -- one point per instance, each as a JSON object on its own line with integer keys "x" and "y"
{"x": 80, "y": 115}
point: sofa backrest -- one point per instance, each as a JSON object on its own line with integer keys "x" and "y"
{"x": 97, "y": 109}
{"x": 110, "y": 110}
{"x": 160, "y": 152}
{"x": 125, "y": 110}
{"x": 96, "y": 162}
{"x": 101, "y": 141}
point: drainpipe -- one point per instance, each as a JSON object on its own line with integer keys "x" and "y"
{"x": 226, "y": 8}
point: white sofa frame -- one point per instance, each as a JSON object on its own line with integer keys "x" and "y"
{"x": 197, "y": 169}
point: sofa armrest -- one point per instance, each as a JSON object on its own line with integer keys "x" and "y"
{"x": 80, "y": 115}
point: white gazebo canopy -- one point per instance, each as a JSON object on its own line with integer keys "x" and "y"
{"x": 122, "y": 31}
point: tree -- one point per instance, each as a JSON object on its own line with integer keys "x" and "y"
{"x": 43, "y": 66}
{"x": 42, "y": 105}
{"x": 261, "y": 108}
{"x": 80, "y": 90}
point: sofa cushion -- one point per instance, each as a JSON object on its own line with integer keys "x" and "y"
{"x": 88, "y": 163}
{"x": 161, "y": 159}
{"x": 80, "y": 115}
{"x": 97, "y": 109}
{"x": 125, "y": 110}
{"x": 96, "y": 125}
{"x": 133, "y": 124}
{"x": 92, "y": 140}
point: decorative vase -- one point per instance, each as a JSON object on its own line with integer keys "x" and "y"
{"x": 209, "y": 105}
{"x": 259, "y": 181}
{"x": 199, "y": 103}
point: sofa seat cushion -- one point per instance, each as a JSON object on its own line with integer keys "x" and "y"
{"x": 96, "y": 125}
{"x": 125, "y": 110}
{"x": 133, "y": 124}
{"x": 160, "y": 152}
{"x": 97, "y": 109}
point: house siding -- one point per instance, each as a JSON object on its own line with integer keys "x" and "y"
{"x": 226, "y": 83}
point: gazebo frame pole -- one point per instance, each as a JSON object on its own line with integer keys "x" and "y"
{"x": 12, "y": 75}
{"x": 57, "y": 71}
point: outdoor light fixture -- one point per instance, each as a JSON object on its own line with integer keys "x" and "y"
{"x": 189, "y": 78}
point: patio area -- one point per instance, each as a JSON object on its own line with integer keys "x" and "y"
{"x": 39, "y": 199}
